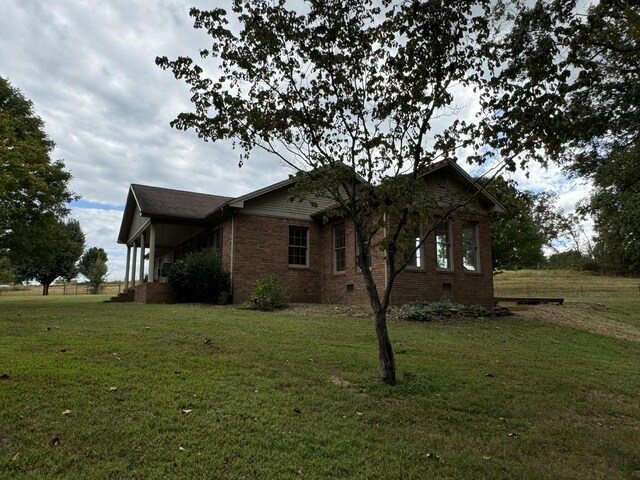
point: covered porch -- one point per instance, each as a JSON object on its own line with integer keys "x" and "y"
{"x": 158, "y": 226}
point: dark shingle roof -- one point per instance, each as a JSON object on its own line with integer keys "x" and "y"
{"x": 167, "y": 202}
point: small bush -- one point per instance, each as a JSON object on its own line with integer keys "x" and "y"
{"x": 199, "y": 277}
{"x": 269, "y": 293}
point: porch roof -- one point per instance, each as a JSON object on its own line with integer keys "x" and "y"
{"x": 166, "y": 204}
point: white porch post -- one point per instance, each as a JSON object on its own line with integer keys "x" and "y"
{"x": 152, "y": 253}
{"x": 133, "y": 263}
{"x": 126, "y": 270}
{"x": 142, "y": 258}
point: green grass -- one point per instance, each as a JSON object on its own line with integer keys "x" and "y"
{"x": 574, "y": 286}
{"x": 279, "y": 395}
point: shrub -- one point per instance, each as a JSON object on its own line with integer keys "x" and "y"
{"x": 269, "y": 293}
{"x": 199, "y": 277}
{"x": 428, "y": 311}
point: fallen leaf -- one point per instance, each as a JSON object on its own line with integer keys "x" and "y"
{"x": 359, "y": 413}
{"x": 486, "y": 457}
{"x": 513, "y": 434}
{"x": 55, "y": 441}
{"x": 186, "y": 411}
{"x": 182, "y": 449}
{"x": 490, "y": 375}
{"x": 113, "y": 389}
{"x": 66, "y": 412}
{"x": 15, "y": 457}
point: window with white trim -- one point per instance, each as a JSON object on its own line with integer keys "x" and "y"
{"x": 442, "y": 236}
{"x": 470, "y": 246}
{"x": 339, "y": 248}
{"x": 298, "y": 246}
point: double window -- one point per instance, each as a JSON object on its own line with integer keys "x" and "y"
{"x": 339, "y": 248}
{"x": 298, "y": 246}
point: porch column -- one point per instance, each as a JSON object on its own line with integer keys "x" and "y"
{"x": 153, "y": 271}
{"x": 142, "y": 258}
{"x": 126, "y": 270}
{"x": 133, "y": 263}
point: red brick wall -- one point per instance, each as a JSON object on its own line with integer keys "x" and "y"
{"x": 261, "y": 246}
{"x": 428, "y": 283}
{"x": 154, "y": 292}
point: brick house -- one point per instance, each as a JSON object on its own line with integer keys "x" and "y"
{"x": 264, "y": 232}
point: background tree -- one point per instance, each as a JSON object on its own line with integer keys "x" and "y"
{"x": 516, "y": 238}
{"x": 93, "y": 266}
{"x": 6, "y": 271}
{"x": 570, "y": 91}
{"x": 357, "y": 95}
{"x": 615, "y": 207}
{"x": 49, "y": 249}
{"x": 31, "y": 184}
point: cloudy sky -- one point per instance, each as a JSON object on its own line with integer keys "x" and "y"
{"x": 89, "y": 68}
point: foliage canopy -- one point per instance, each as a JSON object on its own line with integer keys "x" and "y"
{"x": 31, "y": 184}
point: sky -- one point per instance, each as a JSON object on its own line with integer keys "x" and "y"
{"x": 89, "y": 68}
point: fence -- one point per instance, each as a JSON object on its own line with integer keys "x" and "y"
{"x": 112, "y": 289}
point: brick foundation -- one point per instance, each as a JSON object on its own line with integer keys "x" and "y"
{"x": 154, "y": 293}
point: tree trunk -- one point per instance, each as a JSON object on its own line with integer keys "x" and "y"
{"x": 45, "y": 289}
{"x": 385, "y": 351}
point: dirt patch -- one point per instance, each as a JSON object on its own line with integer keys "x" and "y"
{"x": 340, "y": 382}
{"x": 583, "y": 316}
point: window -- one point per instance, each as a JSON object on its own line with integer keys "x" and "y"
{"x": 470, "y": 246}
{"x": 358, "y": 253}
{"x": 414, "y": 258}
{"x": 216, "y": 242}
{"x": 339, "y": 248}
{"x": 298, "y": 241}
{"x": 443, "y": 246}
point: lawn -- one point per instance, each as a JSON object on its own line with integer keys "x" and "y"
{"x": 97, "y": 390}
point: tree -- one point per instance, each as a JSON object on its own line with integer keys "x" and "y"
{"x": 361, "y": 98}
{"x": 31, "y": 184}
{"x": 570, "y": 91}
{"x": 615, "y": 206}
{"x": 569, "y": 88}
{"x": 93, "y": 266}
{"x": 6, "y": 271}
{"x": 516, "y": 238}
{"x": 49, "y": 249}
